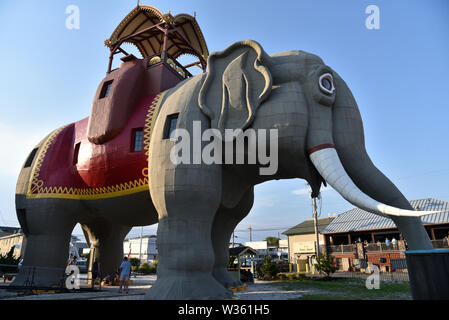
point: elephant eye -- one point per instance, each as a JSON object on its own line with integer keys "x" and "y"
{"x": 327, "y": 83}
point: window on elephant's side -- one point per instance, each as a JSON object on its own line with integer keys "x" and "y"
{"x": 170, "y": 126}
{"x": 76, "y": 152}
{"x": 106, "y": 89}
{"x": 30, "y": 158}
{"x": 137, "y": 138}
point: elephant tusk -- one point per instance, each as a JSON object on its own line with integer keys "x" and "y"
{"x": 328, "y": 164}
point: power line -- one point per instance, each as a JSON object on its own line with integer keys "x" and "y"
{"x": 333, "y": 222}
{"x": 258, "y": 230}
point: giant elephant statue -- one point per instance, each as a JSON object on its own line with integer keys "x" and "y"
{"x": 197, "y": 205}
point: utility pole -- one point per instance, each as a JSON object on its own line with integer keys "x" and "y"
{"x": 279, "y": 252}
{"x": 250, "y": 234}
{"x": 233, "y": 242}
{"x": 317, "y": 236}
{"x": 140, "y": 249}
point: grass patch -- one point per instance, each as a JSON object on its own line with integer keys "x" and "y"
{"x": 343, "y": 288}
{"x": 320, "y": 297}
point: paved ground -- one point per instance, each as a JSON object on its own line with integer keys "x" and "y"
{"x": 136, "y": 290}
{"x": 257, "y": 291}
{"x": 260, "y": 290}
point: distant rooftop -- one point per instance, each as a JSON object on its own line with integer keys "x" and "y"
{"x": 360, "y": 220}
{"x": 143, "y": 237}
{"x": 308, "y": 226}
{"x": 6, "y": 231}
{"x": 242, "y": 250}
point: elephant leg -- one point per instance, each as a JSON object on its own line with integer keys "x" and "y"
{"x": 224, "y": 224}
{"x": 186, "y": 255}
{"x": 106, "y": 245}
{"x": 48, "y": 228}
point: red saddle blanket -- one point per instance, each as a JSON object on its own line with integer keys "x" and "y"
{"x": 89, "y": 171}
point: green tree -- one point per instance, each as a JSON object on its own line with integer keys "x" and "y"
{"x": 326, "y": 265}
{"x": 269, "y": 267}
{"x": 9, "y": 259}
{"x": 272, "y": 241}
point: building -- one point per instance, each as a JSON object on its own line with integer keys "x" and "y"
{"x": 302, "y": 243}
{"x": 6, "y": 231}
{"x": 235, "y": 245}
{"x": 244, "y": 256}
{"x": 12, "y": 237}
{"x": 76, "y": 247}
{"x": 144, "y": 248}
{"x": 275, "y": 252}
{"x": 357, "y": 237}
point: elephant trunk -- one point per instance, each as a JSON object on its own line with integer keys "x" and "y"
{"x": 349, "y": 142}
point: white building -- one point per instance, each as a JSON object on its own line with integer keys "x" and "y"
{"x": 276, "y": 253}
{"x": 16, "y": 240}
{"x": 145, "y": 249}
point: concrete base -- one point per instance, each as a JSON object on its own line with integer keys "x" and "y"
{"x": 429, "y": 274}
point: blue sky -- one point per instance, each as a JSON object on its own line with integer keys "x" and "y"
{"x": 398, "y": 74}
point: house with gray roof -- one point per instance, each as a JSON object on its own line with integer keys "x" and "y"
{"x": 356, "y": 237}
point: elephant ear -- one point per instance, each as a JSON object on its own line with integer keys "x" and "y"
{"x": 237, "y": 83}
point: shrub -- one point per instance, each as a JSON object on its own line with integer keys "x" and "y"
{"x": 326, "y": 265}
{"x": 268, "y": 268}
{"x": 291, "y": 276}
{"x": 154, "y": 266}
{"x": 145, "y": 268}
{"x": 85, "y": 255}
{"x": 135, "y": 262}
{"x": 282, "y": 276}
{"x": 267, "y": 277}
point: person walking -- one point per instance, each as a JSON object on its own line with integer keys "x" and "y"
{"x": 125, "y": 273}
{"x": 95, "y": 272}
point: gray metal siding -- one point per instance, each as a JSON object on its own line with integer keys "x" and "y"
{"x": 359, "y": 220}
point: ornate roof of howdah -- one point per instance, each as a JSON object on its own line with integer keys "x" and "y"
{"x": 151, "y": 41}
